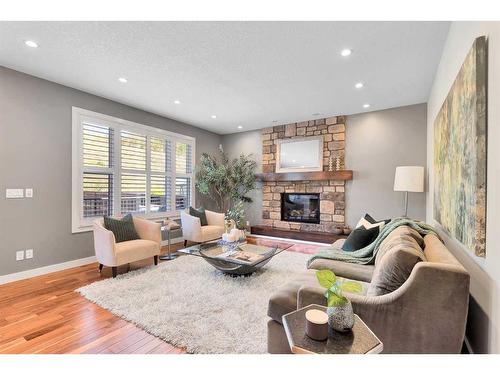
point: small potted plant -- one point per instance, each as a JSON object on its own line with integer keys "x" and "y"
{"x": 339, "y": 308}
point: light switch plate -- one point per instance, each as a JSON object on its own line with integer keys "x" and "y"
{"x": 29, "y": 253}
{"x": 14, "y": 193}
{"x": 28, "y": 193}
{"x": 20, "y": 255}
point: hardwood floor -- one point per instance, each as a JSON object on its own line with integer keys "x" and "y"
{"x": 45, "y": 315}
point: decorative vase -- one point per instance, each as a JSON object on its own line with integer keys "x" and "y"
{"x": 341, "y": 318}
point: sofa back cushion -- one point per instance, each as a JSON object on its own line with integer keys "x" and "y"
{"x": 404, "y": 236}
{"x": 395, "y": 266}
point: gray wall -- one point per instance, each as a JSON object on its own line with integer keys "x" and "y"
{"x": 376, "y": 143}
{"x": 483, "y": 326}
{"x": 35, "y": 151}
{"x": 248, "y": 143}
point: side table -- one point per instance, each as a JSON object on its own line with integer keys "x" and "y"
{"x": 361, "y": 340}
{"x": 168, "y": 231}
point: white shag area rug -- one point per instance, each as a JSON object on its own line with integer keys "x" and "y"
{"x": 188, "y": 303}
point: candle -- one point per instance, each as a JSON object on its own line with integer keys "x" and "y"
{"x": 317, "y": 324}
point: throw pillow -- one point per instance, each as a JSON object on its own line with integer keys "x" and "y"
{"x": 360, "y": 238}
{"x": 200, "y": 213}
{"x": 124, "y": 229}
{"x": 394, "y": 269}
{"x": 365, "y": 223}
{"x": 373, "y": 221}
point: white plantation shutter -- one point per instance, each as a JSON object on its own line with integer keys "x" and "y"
{"x": 97, "y": 179}
{"x": 121, "y": 167}
{"x": 133, "y": 172}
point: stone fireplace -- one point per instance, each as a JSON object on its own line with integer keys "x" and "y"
{"x": 331, "y": 193}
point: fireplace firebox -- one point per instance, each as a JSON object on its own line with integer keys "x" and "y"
{"x": 300, "y": 207}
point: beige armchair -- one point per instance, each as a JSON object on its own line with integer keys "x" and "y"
{"x": 193, "y": 231}
{"x": 109, "y": 253}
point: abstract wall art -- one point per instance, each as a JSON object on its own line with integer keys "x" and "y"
{"x": 460, "y": 142}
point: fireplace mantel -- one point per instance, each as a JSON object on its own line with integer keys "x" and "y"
{"x": 343, "y": 175}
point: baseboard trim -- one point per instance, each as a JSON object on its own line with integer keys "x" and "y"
{"x": 4, "y": 279}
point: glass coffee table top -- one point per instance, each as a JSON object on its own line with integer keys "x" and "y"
{"x": 237, "y": 259}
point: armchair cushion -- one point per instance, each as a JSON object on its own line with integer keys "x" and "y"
{"x": 199, "y": 213}
{"x": 123, "y": 229}
{"x": 132, "y": 251}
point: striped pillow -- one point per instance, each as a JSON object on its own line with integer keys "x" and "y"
{"x": 124, "y": 229}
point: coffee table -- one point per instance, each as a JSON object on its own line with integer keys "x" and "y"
{"x": 241, "y": 259}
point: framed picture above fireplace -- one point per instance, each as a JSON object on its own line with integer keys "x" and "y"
{"x": 299, "y": 155}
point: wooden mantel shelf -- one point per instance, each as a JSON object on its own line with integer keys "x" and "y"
{"x": 343, "y": 175}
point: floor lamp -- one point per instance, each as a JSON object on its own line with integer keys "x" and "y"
{"x": 409, "y": 179}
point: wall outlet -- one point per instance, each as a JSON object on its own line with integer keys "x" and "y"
{"x": 20, "y": 255}
{"x": 28, "y": 192}
{"x": 14, "y": 193}
{"x": 29, "y": 253}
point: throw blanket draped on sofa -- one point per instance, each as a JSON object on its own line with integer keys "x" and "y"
{"x": 367, "y": 254}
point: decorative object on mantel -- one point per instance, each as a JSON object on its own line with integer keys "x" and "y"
{"x": 317, "y": 324}
{"x": 409, "y": 179}
{"x": 338, "y": 165}
{"x": 330, "y": 164}
{"x": 460, "y": 143}
{"x": 226, "y": 181}
{"x": 340, "y": 313}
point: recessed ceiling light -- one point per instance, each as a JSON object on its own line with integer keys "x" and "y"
{"x": 346, "y": 52}
{"x": 275, "y": 120}
{"x": 122, "y": 80}
{"x": 177, "y": 102}
{"x": 359, "y": 85}
{"x": 240, "y": 127}
{"x": 366, "y": 105}
{"x": 213, "y": 116}
{"x": 316, "y": 114}
{"x": 31, "y": 43}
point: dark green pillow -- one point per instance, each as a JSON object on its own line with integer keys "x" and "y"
{"x": 200, "y": 212}
{"x": 359, "y": 238}
{"x": 124, "y": 229}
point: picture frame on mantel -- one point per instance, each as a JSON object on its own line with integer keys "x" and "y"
{"x": 304, "y": 154}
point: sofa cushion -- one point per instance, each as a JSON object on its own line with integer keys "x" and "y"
{"x": 404, "y": 236}
{"x": 199, "y": 213}
{"x": 360, "y": 238}
{"x": 123, "y": 229}
{"x": 132, "y": 251}
{"x": 394, "y": 268}
{"x": 359, "y": 272}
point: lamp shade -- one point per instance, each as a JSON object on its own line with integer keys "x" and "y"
{"x": 409, "y": 178}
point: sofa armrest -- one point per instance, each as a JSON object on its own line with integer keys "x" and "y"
{"x": 148, "y": 230}
{"x": 104, "y": 245}
{"x": 215, "y": 218}
{"x": 191, "y": 227}
{"x": 308, "y": 295}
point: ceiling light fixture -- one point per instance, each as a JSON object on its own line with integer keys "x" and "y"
{"x": 122, "y": 80}
{"x": 359, "y": 85}
{"x": 240, "y": 127}
{"x": 213, "y": 116}
{"x": 177, "y": 102}
{"x": 366, "y": 105}
{"x": 345, "y": 52}
{"x": 31, "y": 43}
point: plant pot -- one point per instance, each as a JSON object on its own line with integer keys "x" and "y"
{"x": 337, "y": 230}
{"x": 341, "y": 318}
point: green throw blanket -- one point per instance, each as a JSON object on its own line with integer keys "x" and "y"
{"x": 367, "y": 254}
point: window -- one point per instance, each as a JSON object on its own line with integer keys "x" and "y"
{"x": 121, "y": 167}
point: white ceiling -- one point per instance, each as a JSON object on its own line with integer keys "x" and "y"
{"x": 246, "y": 73}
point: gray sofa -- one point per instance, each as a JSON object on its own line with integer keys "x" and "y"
{"x": 426, "y": 314}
